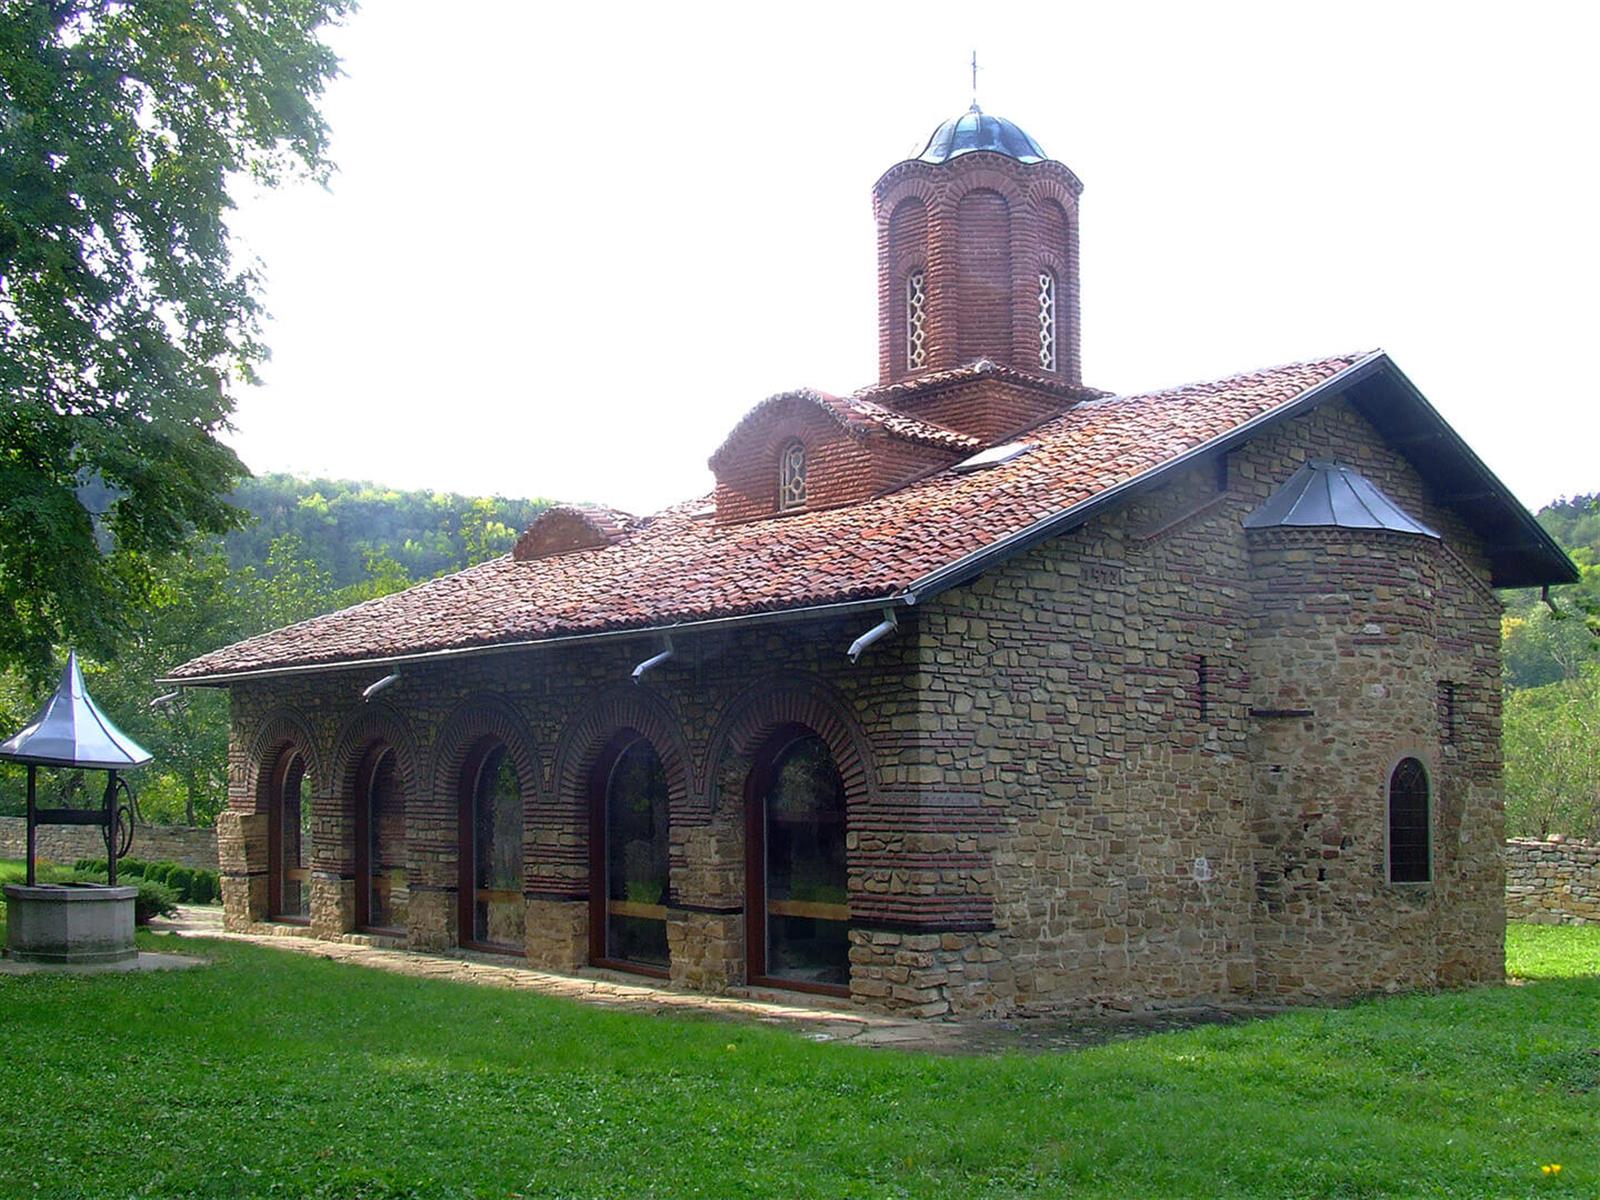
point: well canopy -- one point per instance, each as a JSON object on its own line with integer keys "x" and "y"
{"x": 71, "y": 731}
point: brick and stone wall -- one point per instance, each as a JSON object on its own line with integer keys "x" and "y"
{"x": 1144, "y": 763}
{"x": 152, "y": 843}
{"x": 1553, "y": 881}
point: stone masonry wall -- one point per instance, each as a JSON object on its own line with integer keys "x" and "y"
{"x": 1098, "y": 691}
{"x": 1553, "y": 881}
{"x": 152, "y": 843}
{"x": 1061, "y": 792}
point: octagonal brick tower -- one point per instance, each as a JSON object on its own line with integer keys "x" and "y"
{"x": 978, "y": 255}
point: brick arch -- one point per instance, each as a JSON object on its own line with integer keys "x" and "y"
{"x": 374, "y": 723}
{"x": 1043, "y": 189}
{"x": 283, "y": 726}
{"x": 752, "y": 716}
{"x": 478, "y": 718}
{"x": 626, "y": 706}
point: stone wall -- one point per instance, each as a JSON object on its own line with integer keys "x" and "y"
{"x": 1161, "y": 837}
{"x": 1069, "y": 784}
{"x": 1553, "y": 881}
{"x": 152, "y": 843}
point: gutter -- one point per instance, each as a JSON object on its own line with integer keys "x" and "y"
{"x": 812, "y": 612}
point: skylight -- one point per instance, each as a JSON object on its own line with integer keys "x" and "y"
{"x": 994, "y": 456}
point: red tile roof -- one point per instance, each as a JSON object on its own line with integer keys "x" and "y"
{"x": 855, "y": 415}
{"x": 677, "y": 567}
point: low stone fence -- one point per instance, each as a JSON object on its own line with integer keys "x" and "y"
{"x": 1554, "y": 881}
{"x": 152, "y": 843}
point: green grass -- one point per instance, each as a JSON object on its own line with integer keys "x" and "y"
{"x": 269, "y": 1073}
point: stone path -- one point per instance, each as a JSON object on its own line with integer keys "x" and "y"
{"x": 810, "y": 1016}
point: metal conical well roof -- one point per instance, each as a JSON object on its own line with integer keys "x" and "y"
{"x": 1328, "y": 494}
{"x": 71, "y": 731}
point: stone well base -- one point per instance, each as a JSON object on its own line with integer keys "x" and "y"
{"x": 70, "y": 923}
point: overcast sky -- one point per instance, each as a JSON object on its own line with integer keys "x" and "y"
{"x": 569, "y": 246}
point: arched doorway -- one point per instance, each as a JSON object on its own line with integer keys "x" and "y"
{"x": 289, "y": 839}
{"x": 380, "y": 811}
{"x": 628, "y": 870}
{"x": 797, "y": 909}
{"x": 492, "y": 908}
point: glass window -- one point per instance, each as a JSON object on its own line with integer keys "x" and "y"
{"x": 1408, "y": 823}
{"x": 636, "y": 857}
{"x": 294, "y": 840}
{"x": 386, "y": 845}
{"x": 792, "y": 477}
{"x": 916, "y": 317}
{"x": 1047, "y": 321}
{"x": 806, "y": 903}
{"x": 497, "y": 852}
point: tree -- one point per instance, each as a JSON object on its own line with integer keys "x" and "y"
{"x": 1552, "y": 748}
{"x": 125, "y": 323}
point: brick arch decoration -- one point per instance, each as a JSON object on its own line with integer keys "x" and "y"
{"x": 475, "y": 720}
{"x": 283, "y": 726}
{"x": 626, "y": 706}
{"x": 370, "y": 724}
{"x": 754, "y": 714}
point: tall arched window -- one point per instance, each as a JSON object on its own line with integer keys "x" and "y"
{"x": 1409, "y": 849}
{"x": 1047, "y": 320}
{"x": 628, "y": 858}
{"x": 916, "y": 318}
{"x": 380, "y": 842}
{"x": 798, "y": 910}
{"x": 492, "y": 910}
{"x": 792, "y": 477}
{"x": 289, "y": 839}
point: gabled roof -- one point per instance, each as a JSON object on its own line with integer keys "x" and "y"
{"x": 856, "y": 415}
{"x": 1324, "y": 494}
{"x": 673, "y": 569}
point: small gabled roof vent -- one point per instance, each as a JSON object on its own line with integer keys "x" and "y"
{"x": 569, "y": 527}
{"x": 1325, "y": 494}
{"x": 994, "y": 456}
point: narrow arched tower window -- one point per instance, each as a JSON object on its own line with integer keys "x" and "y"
{"x": 792, "y": 477}
{"x": 1409, "y": 857}
{"x": 916, "y": 314}
{"x": 1047, "y": 320}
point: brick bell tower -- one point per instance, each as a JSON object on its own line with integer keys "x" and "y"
{"x": 978, "y": 255}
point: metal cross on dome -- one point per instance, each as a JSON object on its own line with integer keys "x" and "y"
{"x": 974, "y": 81}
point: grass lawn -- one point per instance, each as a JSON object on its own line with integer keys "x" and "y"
{"x": 274, "y": 1074}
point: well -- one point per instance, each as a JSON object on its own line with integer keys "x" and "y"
{"x": 69, "y": 923}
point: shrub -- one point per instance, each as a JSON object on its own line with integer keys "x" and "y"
{"x": 157, "y": 872}
{"x": 131, "y": 866}
{"x": 153, "y": 900}
{"x": 180, "y": 880}
{"x": 204, "y": 890}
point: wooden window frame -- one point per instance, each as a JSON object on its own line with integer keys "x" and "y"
{"x": 1427, "y": 822}
{"x": 366, "y": 774}
{"x": 287, "y": 758}
{"x": 600, "y": 903}
{"x": 756, "y": 905}
{"x": 467, "y": 850}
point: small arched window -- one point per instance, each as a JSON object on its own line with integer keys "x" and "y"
{"x": 792, "y": 477}
{"x": 916, "y": 317}
{"x": 1409, "y": 849}
{"x": 1047, "y": 320}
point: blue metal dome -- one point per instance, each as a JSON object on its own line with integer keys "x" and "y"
{"x": 975, "y": 130}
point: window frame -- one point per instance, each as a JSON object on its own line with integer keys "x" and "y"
{"x": 790, "y": 498}
{"x": 1047, "y": 312}
{"x": 1427, "y": 821}
{"x": 915, "y": 304}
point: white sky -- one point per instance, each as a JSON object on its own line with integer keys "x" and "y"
{"x": 570, "y": 245}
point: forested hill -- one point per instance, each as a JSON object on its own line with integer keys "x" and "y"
{"x": 346, "y": 527}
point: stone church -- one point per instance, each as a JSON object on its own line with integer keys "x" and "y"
{"x": 978, "y": 690}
